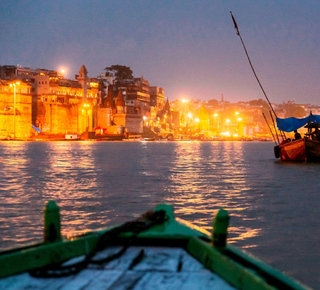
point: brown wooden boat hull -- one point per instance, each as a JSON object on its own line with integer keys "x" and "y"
{"x": 312, "y": 150}
{"x": 300, "y": 151}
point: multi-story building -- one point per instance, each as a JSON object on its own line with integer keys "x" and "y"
{"x": 157, "y": 100}
{"x": 59, "y": 105}
{"x": 68, "y": 106}
{"x": 142, "y": 99}
{"x": 157, "y": 97}
{"x": 15, "y": 109}
{"x": 137, "y": 95}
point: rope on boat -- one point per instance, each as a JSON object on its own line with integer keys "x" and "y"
{"x": 274, "y": 126}
{"x": 274, "y": 139}
{"x": 146, "y": 221}
{"x": 254, "y": 72}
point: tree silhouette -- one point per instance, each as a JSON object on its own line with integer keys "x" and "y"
{"x": 120, "y": 72}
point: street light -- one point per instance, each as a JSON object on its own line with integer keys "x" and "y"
{"x": 14, "y": 107}
{"x": 145, "y": 123}
{"x": 185, "y": 110}
{"x": 216, "y": 116}
{"x": 240, "y": 127}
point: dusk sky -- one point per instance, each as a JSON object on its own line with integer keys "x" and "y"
{"x": 190, "y": 48}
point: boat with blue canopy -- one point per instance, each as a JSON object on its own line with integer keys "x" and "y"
{"x": 291, "y": 124}
{"x": 306, "y": 149}
{"x": 299, "y": 149}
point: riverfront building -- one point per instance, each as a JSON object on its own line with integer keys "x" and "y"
{"x": 142, "y": 100}
{"x": 56, "y": 106}
{"x": 15, "y": 110}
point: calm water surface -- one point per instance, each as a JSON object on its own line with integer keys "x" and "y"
{"x": 274, "y": 206}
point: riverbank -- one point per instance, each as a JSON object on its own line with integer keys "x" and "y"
{"x": 137, "y": 139}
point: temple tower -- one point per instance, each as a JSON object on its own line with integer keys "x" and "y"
{"x": 83, "y": 80}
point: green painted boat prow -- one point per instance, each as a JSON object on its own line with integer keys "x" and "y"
{"x": 159, "y": 227}
{"x": 52, "y": 232}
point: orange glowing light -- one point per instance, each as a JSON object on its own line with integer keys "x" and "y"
{"x": 14, "y": 84}
{"x": 62, "y": 70}
{"x": 94, "y": 84}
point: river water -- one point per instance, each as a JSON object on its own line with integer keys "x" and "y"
{"x": 274, "y": 206}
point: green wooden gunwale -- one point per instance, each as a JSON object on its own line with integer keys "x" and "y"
{"x": 234, "y": 265}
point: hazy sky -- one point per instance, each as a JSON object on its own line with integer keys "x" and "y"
{"x": 189, "y": 48}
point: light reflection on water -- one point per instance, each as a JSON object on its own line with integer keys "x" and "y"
{"x": 274, "y": 206}
{"x": 203, "y": 180}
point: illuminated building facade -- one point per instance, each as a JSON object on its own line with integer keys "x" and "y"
{"x": 15, "y": 110}
{"x": 142, "y": 104}
{"x": 59, "y": 105}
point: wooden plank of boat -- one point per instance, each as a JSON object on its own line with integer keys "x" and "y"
{"x": 132, "y": 259}
{"x": 160, "y": 268}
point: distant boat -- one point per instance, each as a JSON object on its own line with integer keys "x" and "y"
{"x": 301, "y": 150}
{"x": 72, "y": 137}
{"x": 156, "y": 251}
{"x": 148, "y": 139}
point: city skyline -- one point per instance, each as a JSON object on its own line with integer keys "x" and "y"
{"x": 190, "y": 49}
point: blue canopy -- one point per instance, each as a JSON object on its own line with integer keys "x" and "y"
{"x": 36, "y": 128}
{"x": 291, "y": 124}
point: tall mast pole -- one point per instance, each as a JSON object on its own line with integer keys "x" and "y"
{"x": 254, "y": 72}
{"x": 274, "y": 126}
